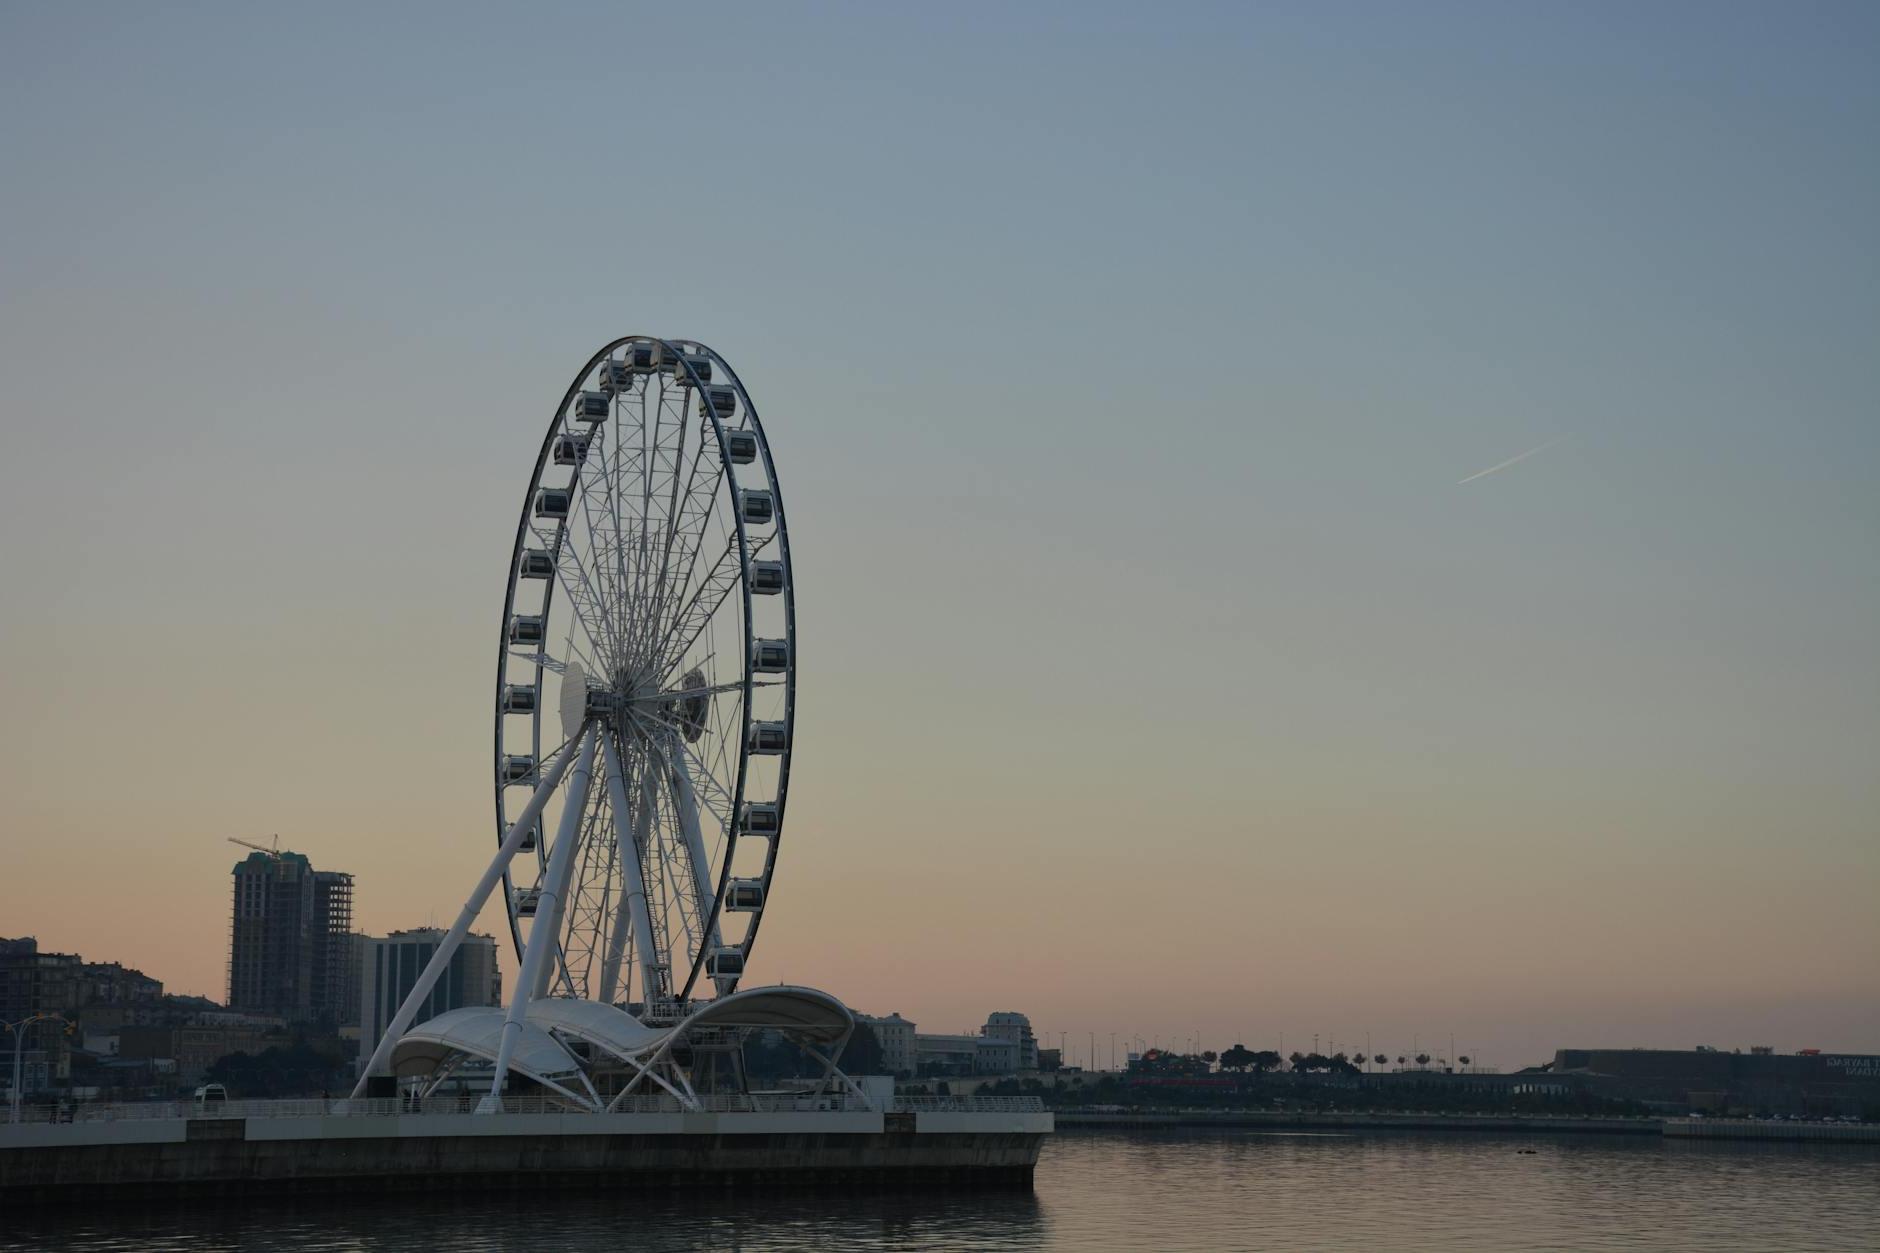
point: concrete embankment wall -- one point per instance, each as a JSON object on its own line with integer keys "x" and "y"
{"x": 1282, "y": 1121}
{"x": 1757, "y": 1129}
{"x": 239, "y": 1157}
{"x": 1680, "y": 1128}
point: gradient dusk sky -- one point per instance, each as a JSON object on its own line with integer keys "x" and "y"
{"x": 1159, "y": 675}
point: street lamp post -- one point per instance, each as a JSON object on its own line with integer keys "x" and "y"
{"x": 19, "y": 1040}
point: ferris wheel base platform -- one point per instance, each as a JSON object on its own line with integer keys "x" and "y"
{"x": 248, "y": 1152}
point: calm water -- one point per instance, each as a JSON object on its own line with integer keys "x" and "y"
{"x": 1177, "y": 1189}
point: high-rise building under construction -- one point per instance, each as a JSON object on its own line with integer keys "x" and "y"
{"x": 291, "y": 947}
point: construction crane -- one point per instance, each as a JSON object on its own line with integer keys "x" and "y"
{"x": 274, "y": 852}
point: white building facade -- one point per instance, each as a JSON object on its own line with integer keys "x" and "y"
{"x": 390, "y": 968}
{"x": 896, "y": 1035}
{"x": 1015, "y": 1029}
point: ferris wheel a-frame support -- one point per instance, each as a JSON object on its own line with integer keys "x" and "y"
{"x": 545, "y": 935}
{"x": 479, "y": 896}
{"x": 633, "y": 912}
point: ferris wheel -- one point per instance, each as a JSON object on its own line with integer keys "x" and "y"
{"x": 649, "y": 636}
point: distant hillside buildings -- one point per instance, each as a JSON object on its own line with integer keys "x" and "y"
{"x": 1004, "y": 1046}
{"x": 85, "y": 994}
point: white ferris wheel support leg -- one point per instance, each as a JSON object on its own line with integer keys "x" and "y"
{"x": 632, "y": 911}
{"x": 543, "y": 934}
{"x": 479, "y": 896}
{"x": 704, "y": 891}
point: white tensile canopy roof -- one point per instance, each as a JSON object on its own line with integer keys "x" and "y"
{"x": 805, "y": 1013}
{"x": 478, "y": 1031}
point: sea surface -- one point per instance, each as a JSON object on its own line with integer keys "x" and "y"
{"x": 1161, "y": 1189}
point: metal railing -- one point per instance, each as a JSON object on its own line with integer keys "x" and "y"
{"x": 467, "y": 1103}
{"x": 968, "y": 1105}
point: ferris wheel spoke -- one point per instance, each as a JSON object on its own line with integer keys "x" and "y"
{"x": 553, "y": 664}
{"x": 712, "y": 796}
{"x": 589, "y": 898}
{"x": 707, "y": 601}
{"x": 675, "y": 526}
{"x": 583, "y": 597}
{"x": 603, "y": 630}
{"x": 692, "y": 516}
{"x": 687, "y": 693}
{"x": 649, "y": 468}
{"x": 662, "y": 452}
{"x": 580, "y": 657}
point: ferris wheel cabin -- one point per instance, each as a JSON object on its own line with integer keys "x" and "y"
{"x": 760, "y": 819}
{"x": 769, "y": 738}
{"x": 766, "y": 577}
{"x": 571, "y": 450}
{"x": 553, "y": 502}
{"x": 756, "y": 505}
{"x": 742, "y": 446}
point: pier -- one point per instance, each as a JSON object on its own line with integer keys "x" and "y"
{"x": 247, "y": 1148}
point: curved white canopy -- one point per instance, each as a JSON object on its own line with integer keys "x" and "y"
{"x": 804, "y": 1012}
{"x": 603, "y": 1026}
{"x": 478, "y": 1031}
{"x": 814, "y": 1016}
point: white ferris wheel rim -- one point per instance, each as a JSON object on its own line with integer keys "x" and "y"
{"x": 655, "y": 719}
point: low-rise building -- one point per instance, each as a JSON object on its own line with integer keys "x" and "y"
{"x": 1014, "y": 1028}
{"x": 896, "y": 1037}
{"x": 946, "y": 1054}
{"x": 194, "y": 1046}
{"x": 995, "y": 1056}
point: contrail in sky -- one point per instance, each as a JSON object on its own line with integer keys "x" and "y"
{"x": 1510, "y": 461}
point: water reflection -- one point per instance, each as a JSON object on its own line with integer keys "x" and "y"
{"x": 1168, "y": 1189}
{"x": 570, "y": 1221}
